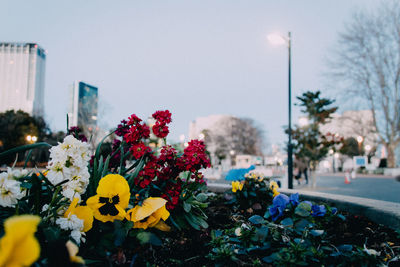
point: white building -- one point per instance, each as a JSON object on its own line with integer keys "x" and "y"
{"x": 353, "y": 123}
{"x": 197, "y": 126}
{"x": 83, "y": 105}
{"x": 22, "y": 73}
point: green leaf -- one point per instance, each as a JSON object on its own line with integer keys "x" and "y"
{"x": 303, "y": 210}
{"x": 23, "y": 148}
{"x": 201, "y": 197}
{"x": 101, "y": 143}
{"x": 302, "y": 224}
{"x": 256, "y": 219}
{"x": 105, "y": 169}
{"x": 202, "y": 222}
{"x": 148, "y": 238}
{"x": 187, "y": 207}
{"x": 288, "y": 222}
{"x": 135, "y": 173}
{"x": 316, "y": 232}
{"x": 189, "y": 218}
{"x": 262, "y": 233}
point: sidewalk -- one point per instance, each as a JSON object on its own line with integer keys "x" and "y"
{"x": 358, "y": 175}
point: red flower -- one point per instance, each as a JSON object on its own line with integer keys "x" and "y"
{"x": 167, "y": 154}
{"x": 138, "y": 150}
{"x": 160, "y": 130}
{"x": 194, "y": 157}
{"x": 137, "y": 132}
{"x": 133, "y": 120}
{"x": 162, "y": 116}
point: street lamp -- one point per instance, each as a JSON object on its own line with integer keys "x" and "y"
{"x": 360, "y": 139}
{"x": 31, "y": 139}
{"x": 277, "y": 39}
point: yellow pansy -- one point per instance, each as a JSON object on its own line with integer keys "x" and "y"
{"x": 237, "y": 186}
{"x": 149, "y": 214}
{"x": 72, "y": 251}
{"x": 18, "y": 246}
{"x": 274, "y": 187}
{"x": 82, "y": 212}
{"x": 111, "y": 200}
{"x": 275, "y": 193}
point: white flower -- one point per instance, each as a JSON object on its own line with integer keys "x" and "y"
{"x": 70, "y": 223}
{"x": 238, "y": 231}
{"x": 10, "y": 192}
{"x": 78, "y": 236}
{"x": 15, "y": 174}
{"x": 45, "y": 207}
{"x": 56, "y": 173}
{"x": 69, "y": 162}
{"x": 57, "y": 154}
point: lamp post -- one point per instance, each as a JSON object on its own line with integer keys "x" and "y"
{"x": 278, "y": 39}
{"x": 360, "y": 139}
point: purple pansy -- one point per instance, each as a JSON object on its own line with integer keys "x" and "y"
{"x": 334, "y": 210}
{"x": 278, "y": 206}
{"x": 294, "y": 199}
{"x": 318, "y": 210}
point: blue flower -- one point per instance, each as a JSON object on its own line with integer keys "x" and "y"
{"x": 334, "y": 210}
{"x": 278, "y": 206}
{"x": 318, "y": 210}
{"x": 294, "y": 199}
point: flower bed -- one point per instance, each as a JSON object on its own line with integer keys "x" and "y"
{"x": 146, "y": 203}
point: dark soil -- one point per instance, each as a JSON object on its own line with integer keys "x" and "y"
{"x": 190, "y": 247}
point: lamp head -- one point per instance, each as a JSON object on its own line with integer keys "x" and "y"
{"x": 276, "y": 39}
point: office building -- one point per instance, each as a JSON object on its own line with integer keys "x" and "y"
{"x": 83, "y": 103}
{"x": 22, "y": 73}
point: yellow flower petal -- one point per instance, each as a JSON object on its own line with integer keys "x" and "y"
{"x": 18, "y": 246}
{"x": 71, "y": 207}
{"x": 161, "y": 225}
{"x": 161, "y": 213}
{"x": 72, "y": 251}
{"x": 114, "y": 184}
{"x": 112, "y": 198}
{"x": 146, "y": 223}
{"x": 149, "y": 206}
{"x": 86, "y": 214}
{"x": 275, "y": 193}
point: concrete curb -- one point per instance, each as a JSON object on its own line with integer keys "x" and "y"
{"x": 382, "y": 212}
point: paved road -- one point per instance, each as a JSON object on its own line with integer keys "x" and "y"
{"x": 381, "y": 188}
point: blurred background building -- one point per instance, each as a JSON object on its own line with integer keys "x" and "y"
{"x": 83, "y": 106}
{"x": 22, "y": 73}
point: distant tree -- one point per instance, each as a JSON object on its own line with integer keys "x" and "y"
{"x": 15, "y": 126}
{"x": 242, "y": 136}
{"x": 350, "y": 147}
{"x": 366, "y": 64}
{"x": 309, "y": 144}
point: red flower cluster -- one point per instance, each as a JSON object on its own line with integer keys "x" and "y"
{"x": 149, "y": 172}
{"x": 199, "y": 177}
{"x": 160, "y": 128}
{"x": 173, "y": 191}
{"x": 194, "y": 157}
{"x": 138, "y": 150}
{"x": 162, "y": 116}
{"x": 167, "y": 154}
{"x": 133, "y": 131}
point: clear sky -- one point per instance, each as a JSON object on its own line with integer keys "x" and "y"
{"x": 195, "y": 58}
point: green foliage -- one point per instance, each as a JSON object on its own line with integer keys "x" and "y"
{"x": 298, "y": 239}
{"x": 309, "y": 143}
{"x": 350, "y": 147}
{"x": 254, "y": 194}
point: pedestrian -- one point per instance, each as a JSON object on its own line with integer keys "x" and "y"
{"x": 302, "y": 168}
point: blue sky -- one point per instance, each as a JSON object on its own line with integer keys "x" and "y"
{"x": 195, "y": 58}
